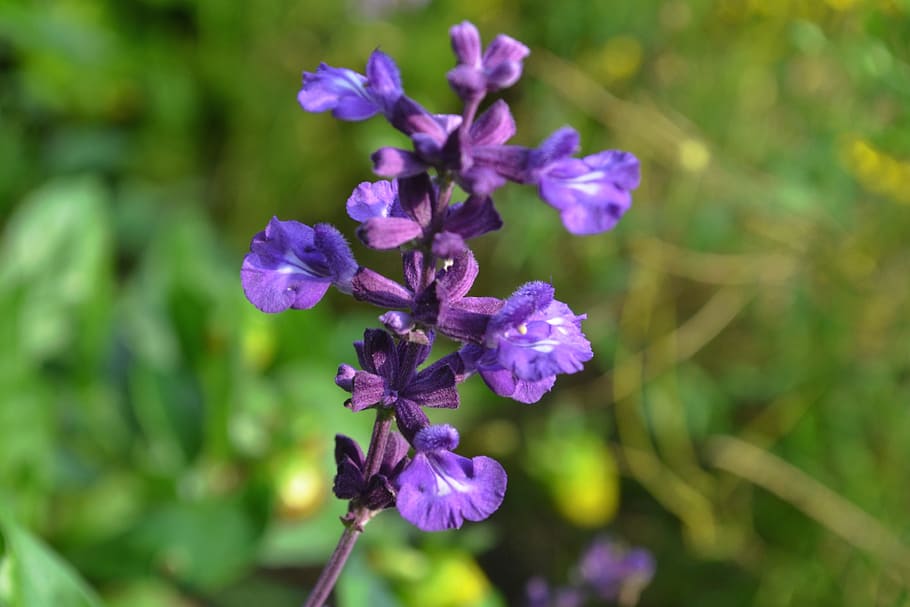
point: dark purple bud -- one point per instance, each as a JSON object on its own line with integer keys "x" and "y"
{"x": 375, "y": 288}
{"x": 344, "y": 379}
{"x": 466, "y": 43}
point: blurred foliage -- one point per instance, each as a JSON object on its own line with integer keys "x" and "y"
{"x": 745, "y": 416}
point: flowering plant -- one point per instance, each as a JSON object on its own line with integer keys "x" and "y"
{"x": 517, "y": 346}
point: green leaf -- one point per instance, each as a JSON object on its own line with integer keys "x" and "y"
{"x": 37, "y": 576}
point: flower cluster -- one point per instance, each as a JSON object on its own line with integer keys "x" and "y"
{"x": 608, "y": 572}
{"x": 517, "y": 346}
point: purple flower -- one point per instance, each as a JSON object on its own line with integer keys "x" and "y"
{"x": 349, "y": 95}
{"x": 291, "y": 265}
{"x": 439, "y": 490}
{"x": 378, "y": 491}
{"x": 591, "y": 193}
{"x": 613, "y": 571}
{"x": 529, "y": 341}
{"x": 390, "y": 378}
{"x": 475, "y": 75}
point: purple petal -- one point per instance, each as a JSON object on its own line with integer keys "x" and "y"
{"x": 504, "y": 49}
{"x": 536, "y": 337}
{"x": 466, "y": 43}
{"x": 466, "y": 319}
{"x": 384, "y": 79}
{"x": 396, "y": 450}
{"x": 379, "y": 199}
{"x": 344, "y": 378}
{"x": 591, "y": 194}
{"x": 291, "y": 265}
{"x": 503, "y": 75}
{"x": 440, "y": 490}
{"x": 480, "y": 180}
{"x": 375, "y": 288}
{"x": 512, "y": 162}
{"x": 412, "y": 355}
{"x": 380, "y": 354}
{"x": 394, "y": 162}
{"x": 504, "y": 383}
{"x": 456, "y": 280}
{"x": 474, "y": 217}
{"x": 410, "y": 418}
{"x": 385, "y": 233}
{"x": 399, "y": 323}
{"x": 493, "y": 127}
{"x": 368, "y": 390}
{"x": 622, "y": 168}
{"x": 447, "y": 245}
{"x": 416, "y": 195}
{"x": 434, "y": 438}
{"x": 562, "y": 144}
{"x": 434, "y": 387}
{"x": 341, "y": 90}
{"x": 468, "y": 82}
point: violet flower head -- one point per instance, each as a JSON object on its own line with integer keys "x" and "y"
{"x": 390, "y": 378}
{"x": 377, "y": 492}
{"x": 529, "y": 341}
{"x": 613, "y": 571}
{"x": 475, "y": 75}
{"x": 440, "y": 490}
{"x": 349, "y": 95}
{"x": 291, "y": 265}
{"x": 590, "y": 193}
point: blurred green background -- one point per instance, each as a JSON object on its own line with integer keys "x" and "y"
{"x": 162, "y": 443}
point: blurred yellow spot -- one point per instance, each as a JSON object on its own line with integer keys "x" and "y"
{"x": 876, "y": 170}
{"x": 454, "y": 580}
{"x": 581, "y": 476}
{"x": 523, "y": 329}
{"x": 300, "y": 488}
{"x": 693, "y": 155}
{"x": 257, "y": 343}
{"x": 620, "y": 58}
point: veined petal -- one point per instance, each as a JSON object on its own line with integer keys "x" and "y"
{"x": 368, "y": 390}
{"x": 434, "y": 387}
{"x": 474, "y": 217}
{"x": 466, "y": 43}
{"x": 439, "y": 490}
{"x": 388, "y": 232}
{"x": 493, "y": 127}
{"x": 341, "y": 90}
{"x": 375, "y": 288}
{"x": 504, "y": 383}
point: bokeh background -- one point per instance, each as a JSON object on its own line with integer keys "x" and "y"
{"x": 162, "y": 443}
